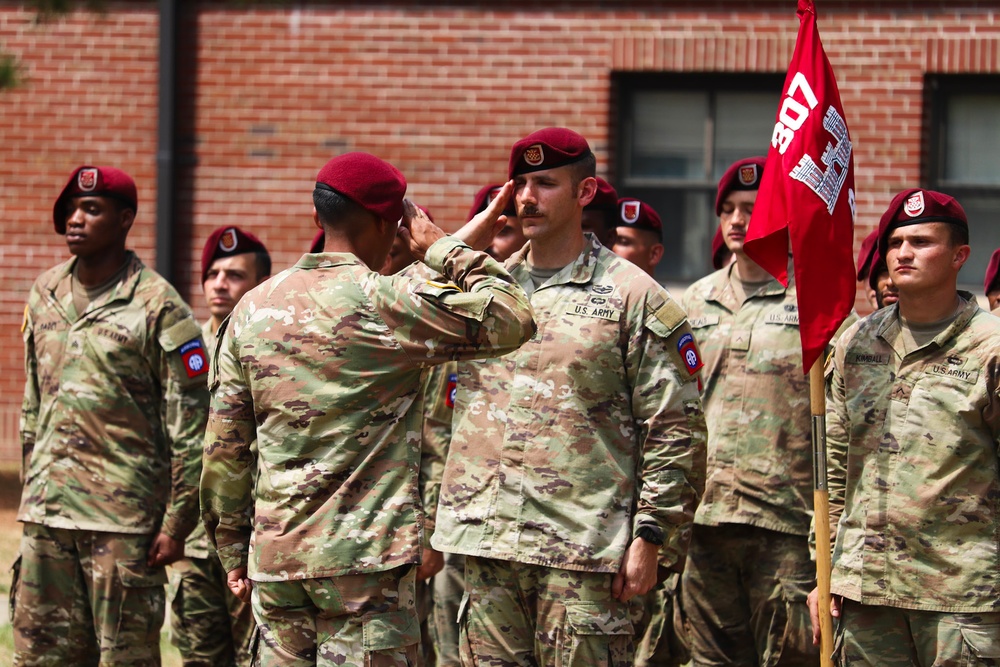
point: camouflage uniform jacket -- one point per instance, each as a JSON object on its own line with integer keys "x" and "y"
{"x": 756, "y": 405}
{"x": 321, "y": 364}
{"x": 913, "y": 464}
{"x": 438, "y": 389}
{"x": 113, "y": 418}
{"x": 197, "y": 544}
{"x": 562, "y": 450}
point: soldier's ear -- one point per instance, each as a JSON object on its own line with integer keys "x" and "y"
{"x": 127, "y": 218}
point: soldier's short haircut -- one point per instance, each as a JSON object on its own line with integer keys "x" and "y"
{"x": 959, "y": 235}
{"x": 581, "y": 169}
{"x": 262, "y": 259}
{"x": 334, "y": 209}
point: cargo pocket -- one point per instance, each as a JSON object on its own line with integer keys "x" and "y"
{"x": 465, "y": 651}
{"x": 15, "y": 582}
{"x": 795, "y": 645}
{"x": 140, "y": 613}
{"x": 391, "y": 639}
{"x": 981, "y": 646}
{"x": 594, "y": 636}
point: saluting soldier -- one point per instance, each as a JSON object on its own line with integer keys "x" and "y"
{"x": 576, "y": 462}
{"x": 321, "y": 365}
{"x": 211, "y": 627}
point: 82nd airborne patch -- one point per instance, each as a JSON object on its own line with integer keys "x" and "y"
{"x": 689, "y": 353}
{"x": 195, "y": 361}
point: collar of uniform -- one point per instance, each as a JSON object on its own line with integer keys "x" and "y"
{"x": 889, "y": 331}
{"x": 322, "y": 260}
{"x": 59, "y": 284}
{"x": 581, "y": 270}
{"x": 772, "y": 288}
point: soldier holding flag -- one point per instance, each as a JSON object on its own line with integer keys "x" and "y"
{"x": 748, "y": 571}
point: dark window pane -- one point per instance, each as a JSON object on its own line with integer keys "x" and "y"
{"x": 973, "y": 140}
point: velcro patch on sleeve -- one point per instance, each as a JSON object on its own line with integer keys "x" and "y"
{"x": 670, "y": 314}
{"x": 195, "y": 361}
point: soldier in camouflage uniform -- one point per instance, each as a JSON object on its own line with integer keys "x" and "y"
{"x": 601, "y": 215}
{"x": 211, "y": 627}
{"x": 913, "y": 427}
{"x": 991, "y": 281}
{"x": 321, "y": 366}
{"x": 576, "y": 461}
{"x": 449, "y": 583}
{"x": 749, "y": 570}
{"x": 112, "y": 422}
{"x": 436, "y": 401}
{"x": 637, "y": 237}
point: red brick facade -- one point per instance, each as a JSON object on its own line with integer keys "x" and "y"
{"x": 266, "y": 94}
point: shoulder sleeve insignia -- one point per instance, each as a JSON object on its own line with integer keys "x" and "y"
{"x": 195, "y": 361}
{"x": 688, "y": 350}
{"x": 452, "y": 390}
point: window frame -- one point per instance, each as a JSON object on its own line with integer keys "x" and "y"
{"x": 629, "y": 85}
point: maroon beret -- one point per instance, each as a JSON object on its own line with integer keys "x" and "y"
{"x": 719, "y": 249}
{"x": 547, "y": 148}
{"x": 318, "y": 242}
{"x": 866, "y": 253}
{"x": 634, "y": 213}
{"x": 743, "y": 174}
{"x": 991, "y": 271}
{"x": 606, "y": 198}
{"x": 916, "y": 206}
{"x": 87, "y": 181}
{"x": 486, "y": 194}
{"x": 368, "y": 181}
{"x": 226, "y": 242}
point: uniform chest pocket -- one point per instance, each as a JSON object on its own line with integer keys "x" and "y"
{"x": 114, "y": 341}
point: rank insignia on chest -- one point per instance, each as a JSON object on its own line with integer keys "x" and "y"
{"x": 689, "y": 353}
{"x": 195, "y": 361}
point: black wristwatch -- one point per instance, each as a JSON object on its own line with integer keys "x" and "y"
{"x": 651, "y": 534}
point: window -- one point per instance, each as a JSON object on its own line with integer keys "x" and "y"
{"x": 677, "y": 135}
{"x": 964, "y": 159}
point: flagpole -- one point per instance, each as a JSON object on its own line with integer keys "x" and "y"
{"x": 821, "y": 507}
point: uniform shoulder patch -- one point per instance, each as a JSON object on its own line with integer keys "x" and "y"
{"x": 449, "y": 400}
{"x": 193, "y": 354}
{"x": 688, "y": 351}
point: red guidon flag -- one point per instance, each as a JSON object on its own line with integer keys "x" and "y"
{"x": 808, "y": 189}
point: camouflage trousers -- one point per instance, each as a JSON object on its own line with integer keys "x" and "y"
{"x": 362, "y": 620}
{"x": 85, "y": 598}
{"x": 891, "y": 637}
{"x": 657, "y": 616}
{"x": 449, "y": 587}
{"x": 211, "y": 627}
{"x": 744, "y": 595}
{"x": 515, "y": 614}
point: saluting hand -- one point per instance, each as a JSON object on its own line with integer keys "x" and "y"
{"x": 479, "y": 232}
{"x": 417, "y": 229}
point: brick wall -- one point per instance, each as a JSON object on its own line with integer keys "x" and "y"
{"x": 267, "y": 93}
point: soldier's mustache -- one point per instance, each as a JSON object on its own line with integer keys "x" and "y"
{"x": 528, "y": 210}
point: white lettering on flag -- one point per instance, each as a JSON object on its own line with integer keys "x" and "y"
{"x": 827, "y": 184}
